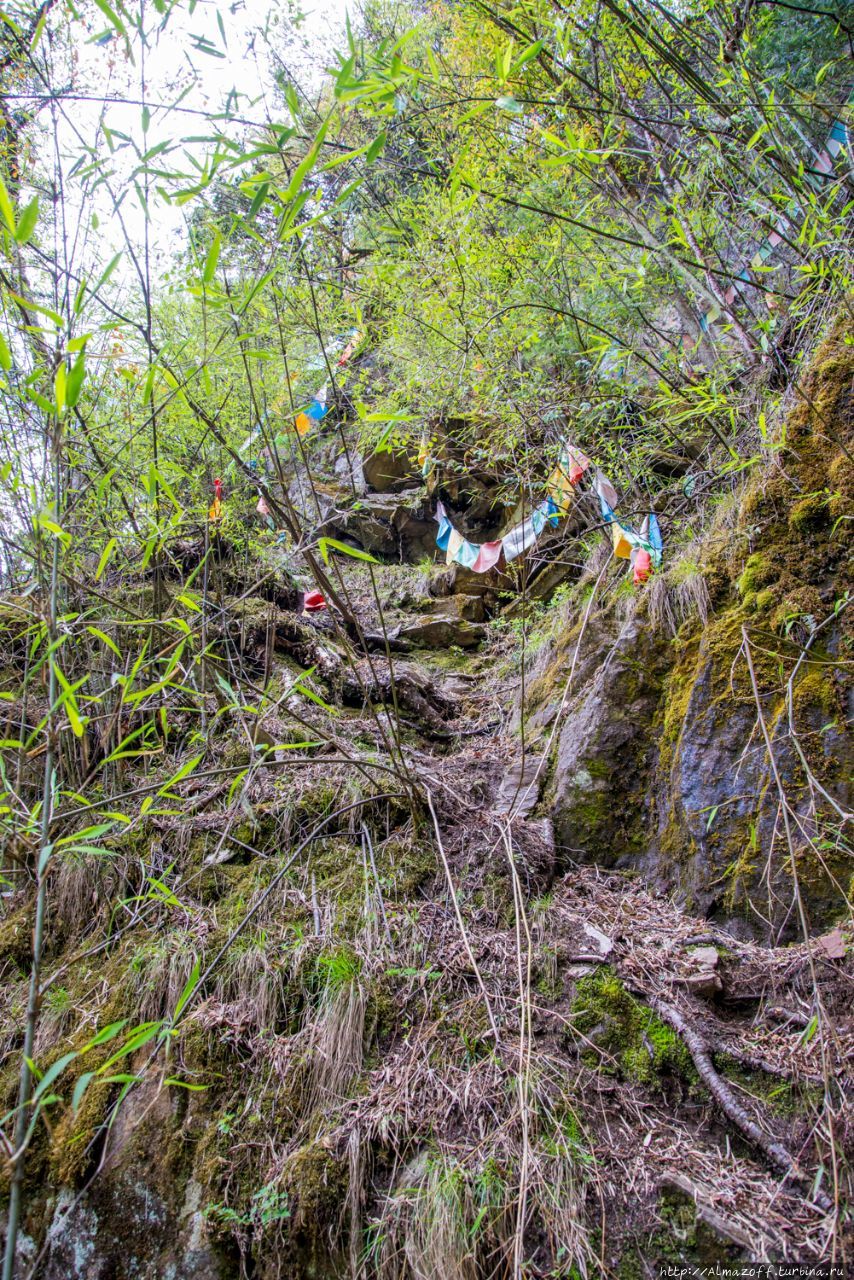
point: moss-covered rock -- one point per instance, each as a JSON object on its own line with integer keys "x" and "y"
{"x": 670, "y": 726}
{"x": 622, "y": 1035}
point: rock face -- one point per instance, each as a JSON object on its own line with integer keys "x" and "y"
{"x": 659, "y": 761}
{"x": 442, "y": 631}
{"x": 134, "y": 1214}
{"x": 603, "y": 746}
{"x": 664, "y": 769}
{"x": 390, "y": 470}
{"x": 520, "y": 787}
{"x": 385, "y": 524}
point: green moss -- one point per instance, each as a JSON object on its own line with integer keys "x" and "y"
{"x": 784, "y": 1097}
{"x": 549, "y": 982}
{"x": 764, "y": 599}
{"x": 382, "y": 1013}
{"x": 758, "y": 572}
{"x": 635, "y": 1043}
{"x": 809, "y": 514}
{"x": 802, "y": 603}
{"x": 70, "y": 1152}
{"x": 316, "y": 1184}
{"x": 816, "y": 689}
{"x": 16, "y": 937}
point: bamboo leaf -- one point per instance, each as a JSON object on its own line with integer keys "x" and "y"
{"x": 305, "y": 166}
{"x": 99, "y": 829}
{"x": 37, "y": 306}
{"x": 212, "y": 258}
{"x": 39, "y": 31}
{"x": 112, "y": 17}
{"x": 183, "y": 772}
{"x": 324, "y": 545}
{"x": 52, "y": 527}
{"x": 80, "y": 1088}
{"x": 376, "y": 147}
{"x": 7, "y": 210}
{"x": 27, "y": 221}
{"x": 107, "y": 272}
{"x": 109, "y": 1032}
{"x": 532, "y": 51}
{"x": 53, "y": 1071}
{"x": 139, "y": 1037}
{"x": 74, "y": 381}
{"x": 106, "y": 556}
{"x": 59, "y": 386}
{"x": 69, "y": 701}
{"x": 189, "y": 987}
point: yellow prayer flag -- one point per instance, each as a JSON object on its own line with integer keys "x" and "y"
{"x": 455, "y": 541}
{"x": 622, "y": 545}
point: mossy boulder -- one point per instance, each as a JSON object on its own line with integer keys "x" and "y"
{"x": 624, "y": 1036}
{"x": 316, "y": 1182}
{"x": 606, "y": 744}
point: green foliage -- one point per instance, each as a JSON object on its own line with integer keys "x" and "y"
{"x": 267, "y": 1206}
{"x": 337, "y": 969}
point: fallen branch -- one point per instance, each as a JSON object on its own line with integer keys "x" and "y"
{"x": 701, "y": 1056}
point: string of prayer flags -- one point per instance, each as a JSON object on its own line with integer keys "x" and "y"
{"x": 570, "y": 469}
{"x": 622, "y": 541}
{"x": 215, "y": 510}
{"x": 627, "y": 542}
{"x": 443, "y": 537}
{"x": 606, "y": 494}
{"x": 651, "y": 530}
{"x": 319, "y": 407}
{"x": 523, "y": 536}
{"x": 456, "y": 542}
{"x": 315, "y": 412}
{"x": 641, "y": 566}
{"x": 646, "y": 555}
{"x": 490, "y": 554}
{"x": 352, "y": 343}
{"x": 643, "y": 548}
{"x": 480, "y": 557}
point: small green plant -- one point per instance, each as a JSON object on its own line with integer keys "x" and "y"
{"x": 338, "y": 968}
{"x": 269, "y": 1204}
{"x": 57, "y": 1001}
